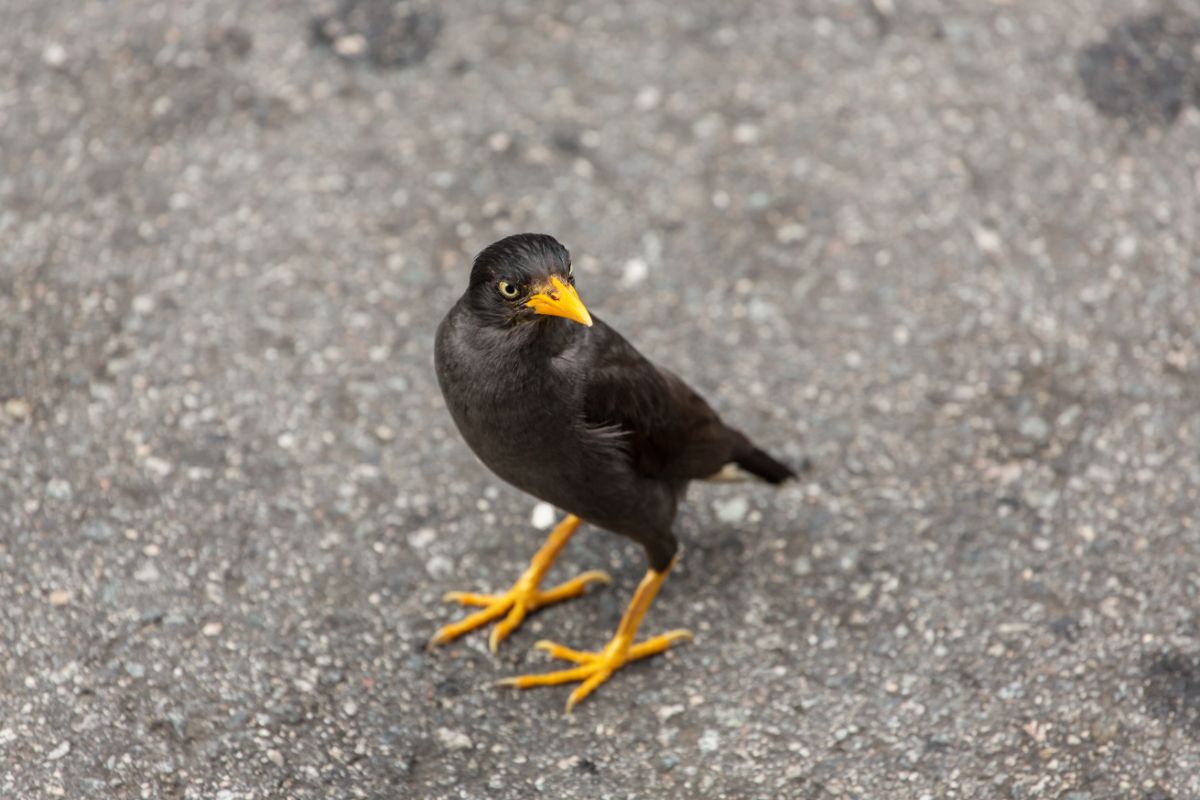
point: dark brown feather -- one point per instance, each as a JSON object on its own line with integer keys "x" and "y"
{"x": 671, "y": 432}
{"x": 575, "y": 415}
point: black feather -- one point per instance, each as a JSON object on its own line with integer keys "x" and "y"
{"x": 575, "y": 415}
{"x": 762, "y": 465}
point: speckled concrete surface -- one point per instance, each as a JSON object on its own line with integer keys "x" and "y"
{"x": 945, "y": 248}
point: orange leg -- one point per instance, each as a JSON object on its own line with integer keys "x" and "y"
{"x": 595, "y": 668}
{"x": 524, "y": 596}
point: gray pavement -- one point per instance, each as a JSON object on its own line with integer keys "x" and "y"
{"x": 945, "y": 248}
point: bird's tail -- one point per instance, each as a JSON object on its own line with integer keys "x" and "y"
{"x": 761, "y": 465}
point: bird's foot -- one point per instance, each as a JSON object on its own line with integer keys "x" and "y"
{"x": 594, "y": 668}
{"x": 523, "y": 597}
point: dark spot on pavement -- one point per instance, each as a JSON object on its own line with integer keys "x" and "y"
{"x": 1067, "y": 628}
{"x": 567, "y": 142}
{"x": 1172, "y": 687}
{"x": 935, "y": 744}
{"x": 383, "y": 33}
{"x": 452, "y": 686}
{"x": 229, "y": 41}
{"x": 587, "y": 766}
{"x": 1148, "y": 69}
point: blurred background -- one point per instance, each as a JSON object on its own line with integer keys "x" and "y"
{"x": 947, "y": 249}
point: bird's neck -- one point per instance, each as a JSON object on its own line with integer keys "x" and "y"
{"x": 536, "y": 340}
{"x": 553, "y": 335}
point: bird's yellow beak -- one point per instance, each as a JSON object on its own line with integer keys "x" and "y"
{"x": 558, "y": 299}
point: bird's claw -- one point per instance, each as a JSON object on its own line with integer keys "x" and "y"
{"x": 594, "y": 668}
{"x": 513, "y": 605}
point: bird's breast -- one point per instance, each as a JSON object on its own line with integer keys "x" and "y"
{"x": 515, "y": 414}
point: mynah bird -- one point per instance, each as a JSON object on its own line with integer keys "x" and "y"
{"x": 561, "y": 406}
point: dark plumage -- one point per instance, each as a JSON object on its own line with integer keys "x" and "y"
{"x": 571, "y": 413}
{"x": 575, "y": 415}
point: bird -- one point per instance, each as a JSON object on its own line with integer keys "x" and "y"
{"x": 561, "y": 406}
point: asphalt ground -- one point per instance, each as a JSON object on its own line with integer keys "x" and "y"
{"x": 946, "y": 250}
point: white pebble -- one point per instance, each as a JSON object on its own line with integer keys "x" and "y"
{"x": 648, "y": 98}
{"x": 55, "y": 55}
{"x": 1127, "y": 247}
{"x": 499, "y": 141}
{"x": 60, "y": 751}
{"x": 791, "y": 233}
{"x": 147, "y": 573}
{"x": 59, "y": 489}
{"x": 439, "y": 566}
{"x": 543, "y": 516}
{"x": 453, "y": 740}
{"x": 18, "y": 408}
{"x": 732, "y": 510}
{"x": 420, "y": 539}
{"x": 987, "y": 239}
{"x": 636, "y": 271}
{"x": 159, "y": 466}
{"x": 745, "y": 133}
{"x": 349, "y": 46}
{"x": 666, "y": 712}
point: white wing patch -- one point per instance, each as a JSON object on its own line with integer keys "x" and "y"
{"x": 731, "y": 473}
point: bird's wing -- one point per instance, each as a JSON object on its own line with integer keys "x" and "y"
{"x": 669, "y": 431}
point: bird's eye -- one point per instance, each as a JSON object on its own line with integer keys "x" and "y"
{"x": 508, "y": 290}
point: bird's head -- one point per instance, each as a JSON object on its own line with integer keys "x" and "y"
{"x": 525, "y": 278}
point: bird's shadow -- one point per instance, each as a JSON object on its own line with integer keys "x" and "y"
{"x": 716, "y": 554}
